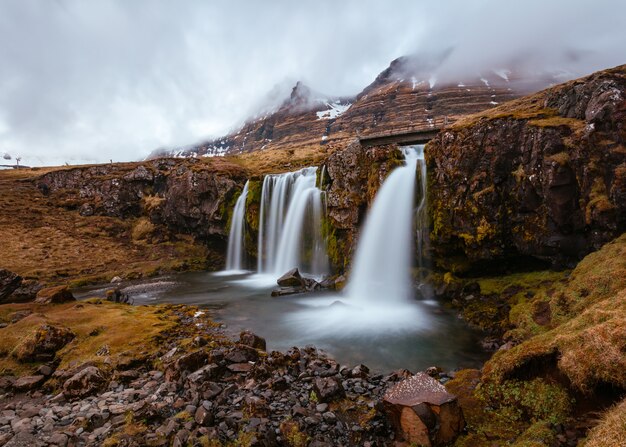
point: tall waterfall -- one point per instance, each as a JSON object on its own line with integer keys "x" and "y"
{"x": 382, "y": 266}
{"x": 290, "y": 224}
{"x": 236, "y": 253}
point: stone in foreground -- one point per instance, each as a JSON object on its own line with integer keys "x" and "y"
{"x": 54, "y": 295}
{"x": 423, "y": 412}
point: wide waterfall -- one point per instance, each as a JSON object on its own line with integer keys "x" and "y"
{"x": 290, "y": 232}
{"x": 236, "y": 248}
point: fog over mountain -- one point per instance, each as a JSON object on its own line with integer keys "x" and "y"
{"x": 93, "y": 81}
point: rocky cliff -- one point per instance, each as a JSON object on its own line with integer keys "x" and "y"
{"x": 193, "y": 196}
{"x": 542, "y": 177}
{"x": 89, "y": 224}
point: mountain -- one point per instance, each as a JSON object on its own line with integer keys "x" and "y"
{"x": 405, "y": 95}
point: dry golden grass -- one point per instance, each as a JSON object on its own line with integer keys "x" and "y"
{"x": 129, "y": 332}
{"x": 281, "y": 160}
{"x": 142, "y": 229}
{"x": 611, "y": 431}
{"x": 590, "y": 319}
{"x": 41, "y": 239}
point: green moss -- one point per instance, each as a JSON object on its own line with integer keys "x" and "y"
{"x": 540, "y": 434}
{"x": 534, "y": 400}
{"x": 336, "y": 246}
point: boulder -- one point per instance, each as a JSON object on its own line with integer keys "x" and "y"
{"x": 240, "y": 354}
{"x": 423, "y": 412}
{"x": 84, "y": 383}
{"x": 191, "y": 361}
{"x": 291, "y": 279}
{"x": 248, "y": 338}
{"x": 43, "y": 343}
{"x": 293, "y": 282}
{"x": 9, "y": 282}
{"x": 26, "y": 292}
{"x": 27, "y": 383}
{"x": 117, "y": 296}
{"x": 328, "y": 389}
{"x": 54, "y": 295}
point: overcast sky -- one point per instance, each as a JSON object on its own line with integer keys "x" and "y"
{"x": 85, "y": 81}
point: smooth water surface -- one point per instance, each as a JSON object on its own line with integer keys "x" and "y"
{"x": 243, "y": 302}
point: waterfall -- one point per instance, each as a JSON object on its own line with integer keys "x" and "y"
{"x": 236, "y": 253}
{"x": 290, "y": 224}
{"x": 382, "y": 266}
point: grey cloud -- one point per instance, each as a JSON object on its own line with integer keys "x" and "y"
{"x": 100, "y": 80}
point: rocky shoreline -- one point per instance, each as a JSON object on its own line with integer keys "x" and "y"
{"x": 206, "y": 390}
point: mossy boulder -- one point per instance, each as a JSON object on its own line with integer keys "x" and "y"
{"x": 43, "y": 343}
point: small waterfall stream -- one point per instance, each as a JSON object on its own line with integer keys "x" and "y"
{"x": 290, "y": 224}
{"x": 236, "y": 248}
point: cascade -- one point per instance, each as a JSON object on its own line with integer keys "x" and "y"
{"x": 382, "y": 266}
{"x": 290, "y": 224}
{"x": 236, "y": 252}
{"x": 378, "y": 296}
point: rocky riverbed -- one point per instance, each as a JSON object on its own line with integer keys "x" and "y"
{"x": 200, "y": 388}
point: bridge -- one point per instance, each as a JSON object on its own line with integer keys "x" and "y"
{"x": 414, "y": 134}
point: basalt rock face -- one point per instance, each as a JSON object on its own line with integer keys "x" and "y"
{"x": 543, "y": 177}
{"x": 191, "y": 196}
{"x": 353, "y": 176}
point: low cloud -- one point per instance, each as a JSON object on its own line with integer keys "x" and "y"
{"x": 94, "y": 81}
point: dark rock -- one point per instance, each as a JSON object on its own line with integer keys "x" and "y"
{"x": 9, "y": 282}
{"x": 328, "y": 389}
{"x": 43, "y": 343}
{"x": 248, "y": 338}
{"x": 26, "y": 292}
{"x": 27, "y": 383}
{"x": 208, "y": 372}
{"x": 185, "y": 363}
{"x": 285, "y": 291}
{"x": 117, "y": 296}
{"x": 240, "y": 367}
{"x": 292, "y": 278}
{"x": 423, "y": 412}
{"x": 45, "y": 370}
{"x": 19, "y": 315}
{"x": 6, "y": 382}
{"x": 361, "y": 371}
{"x": 241, "y": 353}
{"x": 54, "y": 295}
{"x": 84, "y": 383}
{"x": 86, "y": 209}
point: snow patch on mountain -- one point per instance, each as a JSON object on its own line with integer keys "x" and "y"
{"x": 334, "y": 110}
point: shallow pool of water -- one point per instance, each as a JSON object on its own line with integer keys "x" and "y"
{"x": 415, "y": 336}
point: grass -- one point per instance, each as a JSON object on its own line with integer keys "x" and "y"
{"x": 521, "y": 393}
{"x": 272, "y": 161}
{"x": 130, "y": 332}
{"x": 42, "y": 239}
{"x": 611, "y": 431}
{"x": 588, "y": 337}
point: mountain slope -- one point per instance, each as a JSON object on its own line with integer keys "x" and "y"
{"x": 405, "y": 95}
